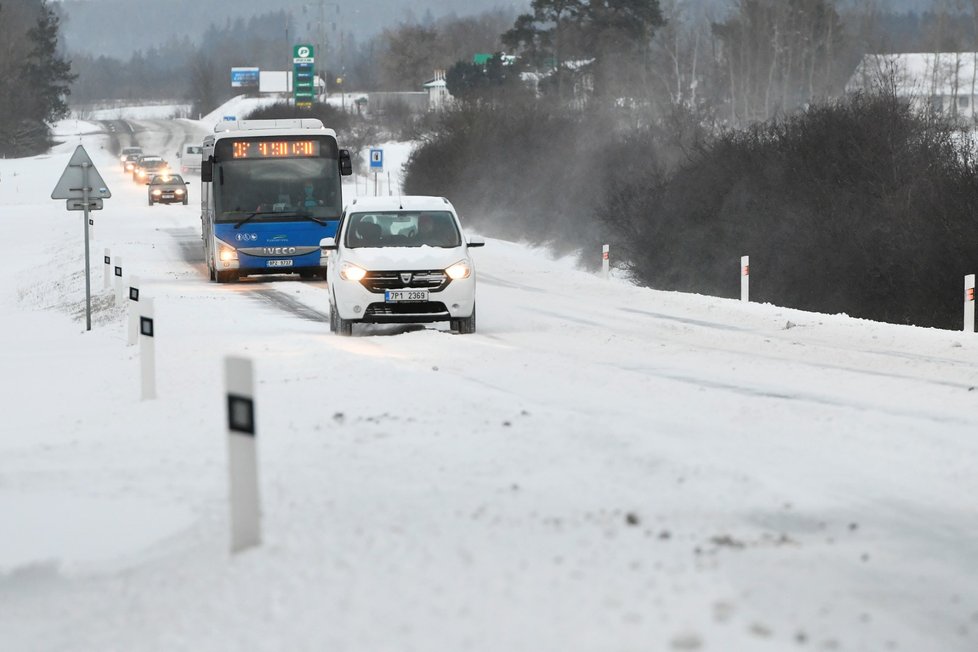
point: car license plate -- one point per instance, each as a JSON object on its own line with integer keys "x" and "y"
{"x": 279, "y": 263}
{"x": 398, "y": 296}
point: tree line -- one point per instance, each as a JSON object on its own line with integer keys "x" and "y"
{"x": 715, "y": 138}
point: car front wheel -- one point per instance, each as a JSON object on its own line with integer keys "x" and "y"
{"x": 338, "y": 325}
{"x": 466, "y": 325}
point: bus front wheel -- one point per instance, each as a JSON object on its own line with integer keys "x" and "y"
{"x": 227, "y": 277}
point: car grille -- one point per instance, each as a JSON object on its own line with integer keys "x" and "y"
{"x": 378, "y": 282}
{"x": 421, "y": 311}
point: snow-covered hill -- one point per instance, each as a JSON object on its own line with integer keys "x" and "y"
{"x": 602, "y": 467}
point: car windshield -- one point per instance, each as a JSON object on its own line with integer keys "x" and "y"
{"x": 402, "y": 229}
{"x": 167, "y": 180}
{"x": 195, "y": 150}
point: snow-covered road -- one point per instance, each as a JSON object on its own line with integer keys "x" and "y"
{"x": 602, "y": 467}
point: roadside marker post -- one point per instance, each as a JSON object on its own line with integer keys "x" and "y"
{"x": 107, "y": 269}
{"x": 133, "y": 311}
{"x": 119, "y": 290}
{"x": 969, "y": 303}
{"x": 147, "y": 349}
{"x": 242, "y": 454}
{"x": 745, "y": 278}
{"x": 605, "y": 261}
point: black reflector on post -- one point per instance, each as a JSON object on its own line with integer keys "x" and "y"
{"x": 118, "y": 271}
{"x": 133, "y": 294}
{"x": 241, "y": 414}
{"x": 146, "y": 326}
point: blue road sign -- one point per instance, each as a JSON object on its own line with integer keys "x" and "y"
{"x": 376, "y": 160}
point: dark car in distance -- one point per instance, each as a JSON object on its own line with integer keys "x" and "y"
{"x": 147, "y": 166}
{"x": 167, "y": 189}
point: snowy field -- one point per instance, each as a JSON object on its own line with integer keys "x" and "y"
{"x": 601, "y": 468}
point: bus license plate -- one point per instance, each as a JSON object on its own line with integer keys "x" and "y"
{"x": 280, "y": 263}
{"x": 398, "y": 296}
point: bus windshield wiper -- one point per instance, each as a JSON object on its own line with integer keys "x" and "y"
{"x": 249, "y": 217}
{"x": 307, "y": 215}
{"x": 303, "y": 214}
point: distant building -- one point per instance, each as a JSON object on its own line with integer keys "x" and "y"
{"x": 437, "y": 89}
{"x": 945, "y": 82}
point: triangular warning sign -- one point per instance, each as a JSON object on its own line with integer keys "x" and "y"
{"x": 71, "y": 185}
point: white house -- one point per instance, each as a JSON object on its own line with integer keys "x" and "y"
{"x": 945, "y": 82}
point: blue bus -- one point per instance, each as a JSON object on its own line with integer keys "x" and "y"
{"x": 270, "y": 191}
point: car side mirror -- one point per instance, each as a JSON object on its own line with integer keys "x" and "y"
{"x": 346, "y": 163}
{"x": 328, "y": 244}
{"x": 476, "y": 241}
{"x": 207, "y": 170}
{"x": 186, "y": 183}
{"x": 147, "y": 183}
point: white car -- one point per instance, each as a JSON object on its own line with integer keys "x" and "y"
{"x": 400, "y": 260}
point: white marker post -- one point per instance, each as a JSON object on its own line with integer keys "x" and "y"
{"x": 147, "y": 348}
{"x": 605, "y": 261}
{"x": 107, "y": 268}
{"x": 745, "y": 278}
{"x": 119, "y": 291}
{"x": 969, "y": 303}
{"x": 133, "y": 310}
{"x": 242, "y": 454}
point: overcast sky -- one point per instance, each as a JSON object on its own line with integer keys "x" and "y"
{"x": 93, "y": 25}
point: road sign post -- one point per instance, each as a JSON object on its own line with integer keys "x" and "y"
{"x": 83, "y": 188}
{"x": 605, "y": 261}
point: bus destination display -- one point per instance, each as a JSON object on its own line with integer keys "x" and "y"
{"x": 274, "y": 148}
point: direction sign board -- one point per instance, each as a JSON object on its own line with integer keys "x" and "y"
{"x": 376, "y": 160}
{"x": 79, "y": 205}
{"x": 70, "y": 186}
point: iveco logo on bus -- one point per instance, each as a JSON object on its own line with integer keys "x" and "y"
{"x": 278, "y": 251}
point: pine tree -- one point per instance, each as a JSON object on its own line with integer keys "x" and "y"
{"x": 47, "y": 76}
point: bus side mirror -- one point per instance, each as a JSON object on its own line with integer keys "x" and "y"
{"x": 207, "y": 170}
{"x": 346, "y": 163}
{"x": 328, "y": 244}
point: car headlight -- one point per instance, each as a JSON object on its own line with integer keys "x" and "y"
{"x": 350, "y": 272}
{"x": 461, "y": 269}
{"x": 157, "y": 193}
{"x": 142, "y": 173}
{"x": 179, "y": 191}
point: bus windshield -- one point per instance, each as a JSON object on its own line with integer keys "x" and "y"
{"x": 266, "y": 189}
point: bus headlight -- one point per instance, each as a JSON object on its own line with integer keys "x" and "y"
{"x": 350, "y": 272}
{"x": 226, "y": 252}
{"x": 459, "y": 270}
